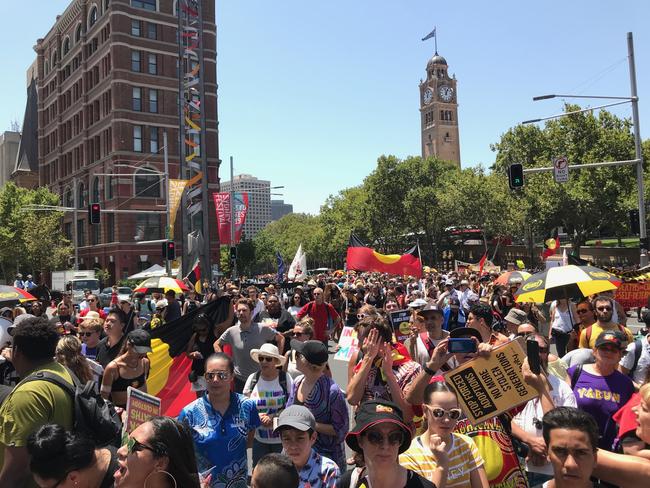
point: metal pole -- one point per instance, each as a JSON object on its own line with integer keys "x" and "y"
{"x": 75, "y": 228}
{"x": 643, "y": 258}
{"x": 182, "y": 171}
{"x": 168, "y": 264}
{"x": 205, "y": 203}
{"x": 232, "y": 217}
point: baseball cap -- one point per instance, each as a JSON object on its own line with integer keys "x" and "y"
{"x": 615, "y": 338}
{"x": 376, "y": 412}
{"x": 296, "y": 416}
{"x": 429, "y": 309}
{"x": 140, "y": 340}
{"x": 315, "y": 352}
{"x": 465, "y": 332}
{"x": 516, "y": 316}
{"x": 417, "y": 303}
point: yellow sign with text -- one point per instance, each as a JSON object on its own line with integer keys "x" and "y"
{"x": 489, "y": 386}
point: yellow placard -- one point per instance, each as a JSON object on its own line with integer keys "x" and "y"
{"x": 487, "y": 387}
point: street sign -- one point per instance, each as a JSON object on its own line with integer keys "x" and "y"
{"x": 561, "y": 169}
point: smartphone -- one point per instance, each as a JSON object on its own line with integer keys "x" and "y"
{"x": 532, "y": 349}
{"x": 462, "y": 345}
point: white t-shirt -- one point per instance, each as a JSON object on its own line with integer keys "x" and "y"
{"x": 269, "y": 399}
{"x": 562, "y": 396}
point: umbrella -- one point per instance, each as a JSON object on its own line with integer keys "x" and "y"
{"x": 566, "y": 282}
{"x": 512, "y": 278}
{"x": 161, "y": 283}
{"x": 10, "y": 295}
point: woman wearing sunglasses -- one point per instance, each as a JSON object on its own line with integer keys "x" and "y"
{"x": 302, "y": 331}
{"x": 158, "y": 454}
{"x": 381, "y": 435}
{"x": 439, "y": 454}
{"x": 268, "y": 388}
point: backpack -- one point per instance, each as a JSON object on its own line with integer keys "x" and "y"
{"x": 587, "y": 331}
{"x": 283, "y": 382}
{"x": 638, "y": 349}
{"x": 93, "y": 416}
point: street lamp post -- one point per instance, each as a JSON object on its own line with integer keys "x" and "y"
{"x": 633, "y": 99}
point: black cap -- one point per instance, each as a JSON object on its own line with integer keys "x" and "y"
{"x": 376, "y": 412}
{"x": 465, "y": 332}
{"x": 140, "y": 340}
{"x": 315, "y": 352}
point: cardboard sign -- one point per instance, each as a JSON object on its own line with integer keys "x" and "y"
{"x": 401, "y": 325}
{"x": 632, "y": 295}
{"x": 140, "y": 407}
{"x": 348, "y": 344}
{"x": 487, "y": 387}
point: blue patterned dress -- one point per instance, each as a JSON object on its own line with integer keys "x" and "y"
{"x": 220, "y": 441}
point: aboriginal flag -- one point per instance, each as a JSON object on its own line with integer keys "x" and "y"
{"x": 363, "y": 258}
{"x": 551, "y": 245}
{"x": 194, "y": 276}
{"x": 170, "y": 366}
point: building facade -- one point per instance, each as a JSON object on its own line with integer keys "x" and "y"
{"x": 439, "y": 112}
{"x": 259, "y": 202}
{"x": 9, "y": 144}
{"x": 279, "y": 209}
{"x": 108, "y": 94}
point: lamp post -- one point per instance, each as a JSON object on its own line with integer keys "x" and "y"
{"x": 633, "y": 99}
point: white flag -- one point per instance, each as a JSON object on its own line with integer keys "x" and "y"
{"x": 298, "y": 268}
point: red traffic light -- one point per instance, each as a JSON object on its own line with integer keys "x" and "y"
{"x": 170, "y": 250}
{"x": 94, "y": 213}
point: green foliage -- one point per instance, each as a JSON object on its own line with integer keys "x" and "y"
{"x": 30, "y": 241}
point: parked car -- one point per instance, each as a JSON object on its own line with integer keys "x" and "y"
{"x": 123, "y": 293}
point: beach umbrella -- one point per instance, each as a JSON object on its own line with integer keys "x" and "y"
{"x": 161, "y": 284}
{"x": 10, "y": 295}
{"x": 512, "y": 278}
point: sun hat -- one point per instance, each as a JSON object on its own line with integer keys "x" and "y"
{"x": 516, "y": 316}
{"x": 375, "y": 412}
{"x": 315, "y": 352}
{"x": 298, "y": 417}
{"x": 417, "y": 303}
{"x": 267, "y": 350}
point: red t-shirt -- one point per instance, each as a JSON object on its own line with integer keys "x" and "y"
{"x": 320, "y": 314}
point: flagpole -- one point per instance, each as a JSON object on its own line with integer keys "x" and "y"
{"x": 232, "y": 218}
{"x": 168, "y": 264}
{"x": 435, "y": 39}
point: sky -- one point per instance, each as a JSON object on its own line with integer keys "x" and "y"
{"x": 311, "y": 93}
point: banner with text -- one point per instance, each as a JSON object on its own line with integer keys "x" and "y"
{"x": 487, "y": 387}
{"x": 140, "y": 407}
{"x": 401, "y": 325}
{"x": 633, "y": 295}
{"x": 222, "y": 208}
{"x": 348, "y": 344}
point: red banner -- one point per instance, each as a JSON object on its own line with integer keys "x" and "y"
{"x": 222, "y": 208}
{"x": 632, "y": 295}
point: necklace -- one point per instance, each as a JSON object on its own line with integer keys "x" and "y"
{"x": 132, "y": 367}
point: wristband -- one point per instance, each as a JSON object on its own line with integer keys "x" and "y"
{"x": 428, "y": 370}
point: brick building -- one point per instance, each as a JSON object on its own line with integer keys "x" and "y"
{"x": 108, "y": 89}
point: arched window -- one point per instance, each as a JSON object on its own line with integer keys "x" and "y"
{"x": 68, "y": 201}
{"x": 77, "y": 34}
{"x": 54, "y": 57}
{"x": 66, "y": 46}
{"x": 147, "y": 183}
{"x": 108, "y": 187}
{"x": 92, "y": 17}
{"x": 95, "y": 193}
{"x": 81, "y": 196}
{"x": 47, "y": 67}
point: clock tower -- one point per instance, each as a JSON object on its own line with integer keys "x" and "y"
{"x": 439, "y": 112}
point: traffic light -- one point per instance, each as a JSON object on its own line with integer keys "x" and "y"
{"x": 233, "y": 253}
{"x": 169, "y": 250}
{"x": 516, "y": 175}
{"x": 643, "y": 243}
{"x": 94, "y": 213}
{"x": 634, "y": 221}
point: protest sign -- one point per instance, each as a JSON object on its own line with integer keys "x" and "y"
{"x": 348, "y": 344}
{"x": 401, "y": 326}
{"x": 487, "y": 387}
{"x": 140, "y": 407}
{"x": 633, "y": 294}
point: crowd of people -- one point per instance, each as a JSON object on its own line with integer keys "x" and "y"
{"x": 263, "y": 381}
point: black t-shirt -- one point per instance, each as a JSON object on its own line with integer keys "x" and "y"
{"x": 413, "y": 480}
{"x": 173, "y": 311}
{"x": 107, "y": 354}
{"x": 113, "y": 466}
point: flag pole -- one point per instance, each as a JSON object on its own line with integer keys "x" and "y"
{"x": 435, "y": 39}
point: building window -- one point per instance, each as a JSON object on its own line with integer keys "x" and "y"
{"x": 66, "y": 46}
{"x": 92, "y": 18}
{"x": 106, "y": 3}
{"x": 145, "y": 4}
{"x": 81, "y": 238}
{"x": 137, "y": 138}
{"x": 77, "y": 35}
{"x": 147, "y": 184}
{"x": 135, "y": 28}
{"x": 152, "y": 65}
{"x": 152, "y": 31}
{"x": 153, "y": 139}
{"x": 108, "y": 187}
{"x": 67, "y": 230}
{"x": 68, "y": 201}
{"x": 147, "y": 226}
{"x": 135, "y": 61}
{"x": 137, "y": 99}
{"x": 81, "y": 196}
{"x": 153, "y": 101}
{"x": 95, "y": 192}
{"x": 110, "y": 227}
{"x": 95, "y": 231}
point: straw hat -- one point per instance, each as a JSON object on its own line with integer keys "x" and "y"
{"x": 268, "y": 350}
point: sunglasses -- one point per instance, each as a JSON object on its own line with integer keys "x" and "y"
{"x": 582, "y": 310}
{"x": 85, "y": 334}
{"x": 92, "y": 300}
{"x": 268, "y": 359}
{"x": 452, "y": 413}
{"x": 603, "y": 309}
{"x": 377, "y": 438}
{"x": 135, "y": 446}
{"x": 222, "y": 375}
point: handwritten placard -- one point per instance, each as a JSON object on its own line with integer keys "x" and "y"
{"x": 401, "y": 325}
{"x": 348, "y": 344}
{"x": 140, "y": 407}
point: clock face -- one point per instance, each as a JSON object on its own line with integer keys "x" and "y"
{"x": 446, "y": 93}
{"x": 428, "y": 96}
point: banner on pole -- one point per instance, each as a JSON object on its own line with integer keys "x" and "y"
{"x": 222, "y": 208}
{"x": 633, "y": 295}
